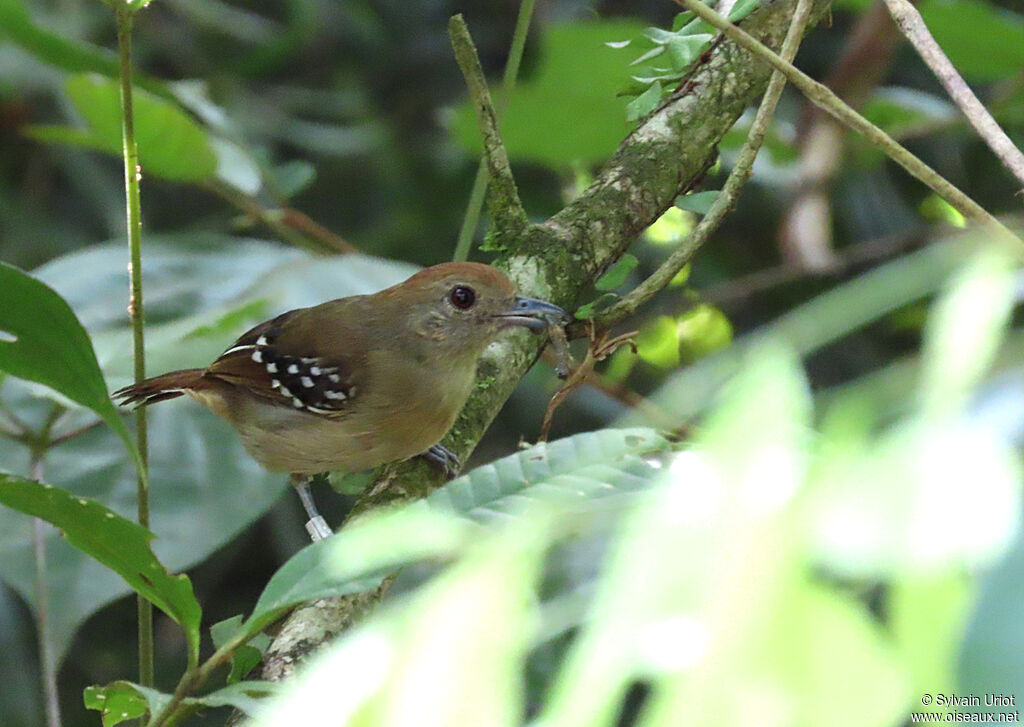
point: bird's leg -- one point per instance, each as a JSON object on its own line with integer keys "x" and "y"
{"x": 442, "y": 457}
{"x": 316, "y": 526}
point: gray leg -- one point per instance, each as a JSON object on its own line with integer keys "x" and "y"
{"x": 316, "y": 526}
{"x": 445, "y": 459}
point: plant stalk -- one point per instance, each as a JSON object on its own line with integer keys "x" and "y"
{"x": 476, "y": 197}
{"x": 132, "y": 177}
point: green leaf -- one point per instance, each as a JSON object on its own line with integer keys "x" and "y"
{"x": 117, "y": 543}
{"x": 589, "y": 310}
{"x": 703, "y": 330}
{"x": 577, "y": 76}
{"x": 123, "y": 700}
{"x": 616, "y": 275}
{"x": 53, "y": 49}
{"x": 171, "y": 144}
{"x": 658, "y": 342}
{"x": 671, "y": 228}
{"x": 698, "y": 202}
{"x": 246, "y": 657}
{"x": 41, "y": 340}
{"x": 683, "y": 50}
{"x": 117, "y": 702}
{"x": 984, "y": 42}
{"x": 587, "y": 466}
{"x": 964, "y": 331}
{"x": 927, "y": 618}
{"x": 742, "y": 9}
{"x": 644, "y": 104}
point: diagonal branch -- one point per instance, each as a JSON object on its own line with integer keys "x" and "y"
{"x": 915, "y": 30}
{"x": 560, "y": 258}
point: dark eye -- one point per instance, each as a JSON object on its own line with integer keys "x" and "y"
{"x": 462, "y": 296}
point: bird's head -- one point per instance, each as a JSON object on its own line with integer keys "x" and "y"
{"x": 464, "y": 305}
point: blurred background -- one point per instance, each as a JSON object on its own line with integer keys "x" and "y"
{"x": 278, "y": 136}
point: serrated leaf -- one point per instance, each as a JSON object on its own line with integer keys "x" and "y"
{"x": 616, "y": 275}
{"x": 116, "y": 542}
{"x": 644, "y": 104}
{"x": 579, "y": 468}
{"x": 41, "y": 340}
{"x": 697, "y": 202}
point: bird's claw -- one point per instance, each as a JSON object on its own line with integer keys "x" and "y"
{"x": 445, "y": 459}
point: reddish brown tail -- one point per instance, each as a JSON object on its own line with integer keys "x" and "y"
{"x": 158, "y": 388}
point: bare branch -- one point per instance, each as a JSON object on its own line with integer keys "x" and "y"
{"x": 821, "y": 96}
{"x": 915, "y": 30}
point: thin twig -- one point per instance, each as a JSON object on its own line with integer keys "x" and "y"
{"x": 476, "y": 197}
{"x": 287, "y": 223}
{"x": 44, "y": 633}
{"x": 132, "y": 174}
{"x": 506, "y": 209}
{"x": 726, "y": 199}
{"x": 913, "y": 26}
{"x": 821, "y": 96}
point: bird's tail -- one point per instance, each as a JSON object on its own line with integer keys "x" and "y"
{"x": 158, "y": 388}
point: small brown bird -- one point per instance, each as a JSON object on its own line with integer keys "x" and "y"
{"x": 357, "y": 382}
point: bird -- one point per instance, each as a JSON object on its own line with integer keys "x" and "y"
{"x": 360, "y": 381}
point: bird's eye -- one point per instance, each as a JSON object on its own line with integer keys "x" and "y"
{"x": 462, "y": 297}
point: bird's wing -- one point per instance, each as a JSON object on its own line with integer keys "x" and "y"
{"x": 281, "y": 366}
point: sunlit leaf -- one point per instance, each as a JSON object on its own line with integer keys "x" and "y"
{"x": 658, "y": 342}
{"x": 964, "y": 331}
{"x": 703, "y": 330}
{"x": 671, "y": 228}
{"x": 584, "y": 467}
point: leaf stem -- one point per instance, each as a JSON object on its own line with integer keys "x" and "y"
{"x": 476, "y": 197}
{"x": 132, "y": 176}
{"x": 823, "y": 97}
{"x": 44, "y": 634}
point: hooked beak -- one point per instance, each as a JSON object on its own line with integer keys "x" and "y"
{"x": 533, "y": 313}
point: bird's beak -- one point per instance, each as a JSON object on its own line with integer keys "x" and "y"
{"x": 532, "y": 313}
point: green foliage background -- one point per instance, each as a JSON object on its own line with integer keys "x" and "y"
{"x": 889, "y": 563}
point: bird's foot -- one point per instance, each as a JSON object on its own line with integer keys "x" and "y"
{"x": 445, "y": 459}
{"x": 318, "y": 528}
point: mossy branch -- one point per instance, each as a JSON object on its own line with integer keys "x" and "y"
{"x": 505, "y": 207}
{"x": 561, "y": 257}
